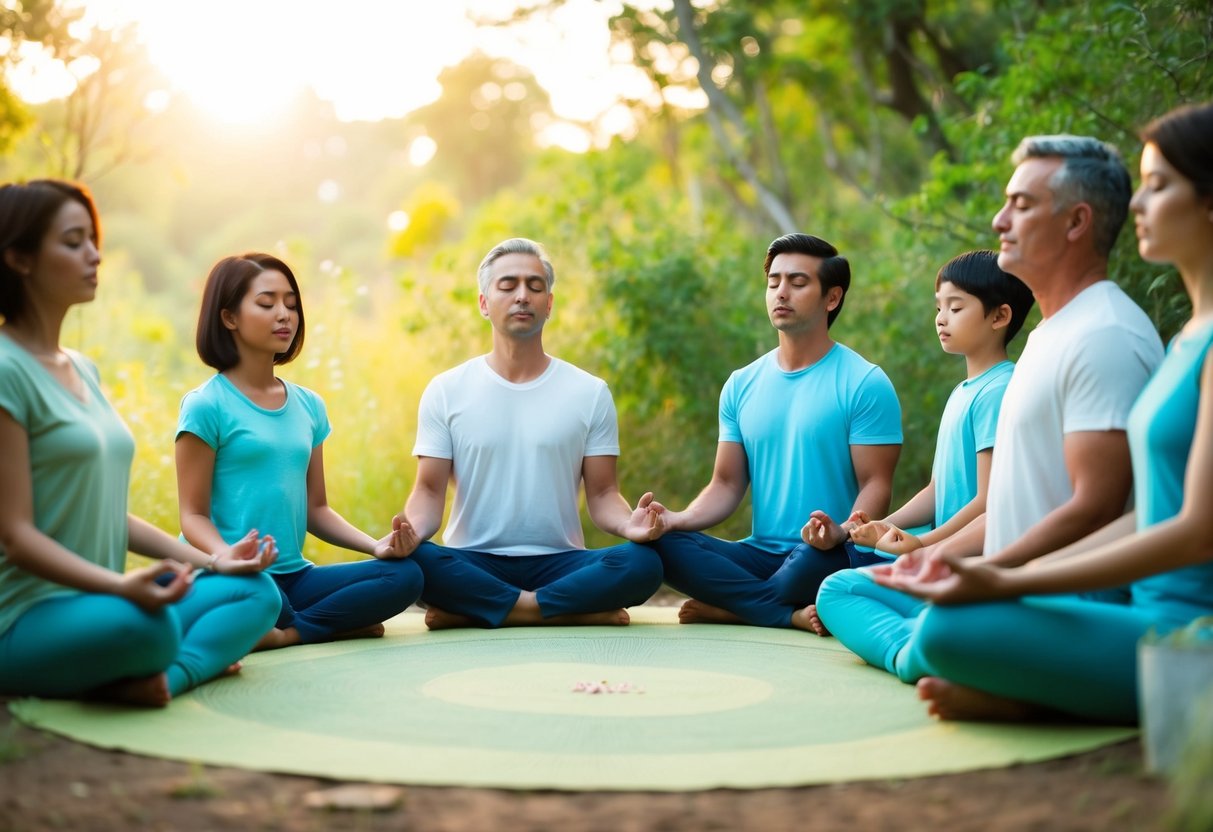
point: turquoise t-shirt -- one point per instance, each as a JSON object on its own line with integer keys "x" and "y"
{"x": 1162, "y": 425}
{"x": 967, "y": 427}
{"x": 80, "y": 456}
{"x": 261, "y": 460}
{"x": 797, "y": 429}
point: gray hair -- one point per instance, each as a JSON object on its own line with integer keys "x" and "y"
{"x": 514, "y": 245}
{"x": 1092, "y": 172}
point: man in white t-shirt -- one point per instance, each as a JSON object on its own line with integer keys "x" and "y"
{"x": 519, "y": 432}
{"x": 1061, "y": 467}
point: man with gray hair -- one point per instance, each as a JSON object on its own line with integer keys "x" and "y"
{"x": 1062, "y": 469}
{"x": 519, "y": 432}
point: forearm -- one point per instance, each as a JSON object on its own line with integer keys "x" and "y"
{"x": 970, "y": 512}
{"x": 609, "y": 512}
{"x": 149, "y": 541}
{"x": 28, "y": 548}
{"x": 1117, "y": 530}
{"x": 873, "y": 497}
{"x": 424, "y": 510}
{"x": 919, "y": 510}
{"x": 713, "y": 506}
{"x": 968, "y": 542}
{"x": 1066, "y": 524}
{"x": 1161, "y": 548}
{"x": 331, "y": 527}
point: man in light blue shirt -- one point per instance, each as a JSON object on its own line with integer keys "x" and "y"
{"x": 810, "y": 426}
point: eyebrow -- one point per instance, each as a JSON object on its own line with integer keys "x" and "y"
{"x": 788, "y": 274}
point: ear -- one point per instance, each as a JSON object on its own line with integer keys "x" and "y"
{"x": 1079, "y": 221}
{"x": 1000, "y": 318}
{"x": 19, "y": 262}
{"x": 227, "y": 318}
{"x": 484, "y": 307}
{"x": 551, "y": 299}
{"x": 833, "y": 298}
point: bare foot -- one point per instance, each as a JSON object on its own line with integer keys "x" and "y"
{"x": 277, "y": 638}
{"x": 147, "y": 691}
{"x": 697, "y": 612}
{"x": 808, "y": 619}
{"x": 436, "y": 619}
{"x": 369, "y": 631}
{"x": 951, "y": 701}
{"x": 610, "y": 618}
{"x": 231, "y": 670}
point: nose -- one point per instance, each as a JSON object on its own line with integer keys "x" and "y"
{"x": 941, "y": 317}
{"x": 1135, "y": 203}
{"x": 999, "y": 223}
{"x": 94, "y": 253}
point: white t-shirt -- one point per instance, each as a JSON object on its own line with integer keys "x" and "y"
{"x": 516, "y": 452}
{"x": 1081, "y": 370}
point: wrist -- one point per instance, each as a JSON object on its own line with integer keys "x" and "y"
{"x": 211, "y": 560}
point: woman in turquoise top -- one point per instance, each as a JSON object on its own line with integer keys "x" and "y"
{"x": 250, "y": 448}
{"x": 72, "y": 621}
{"x": 1013, "y": 659}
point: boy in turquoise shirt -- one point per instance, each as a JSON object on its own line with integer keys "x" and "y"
{"x": 979, "y": 309}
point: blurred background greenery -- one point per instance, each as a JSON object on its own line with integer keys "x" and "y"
{"x": 884, "y": 126}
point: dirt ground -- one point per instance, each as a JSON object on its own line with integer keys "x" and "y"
{"x": 48, "y": 783}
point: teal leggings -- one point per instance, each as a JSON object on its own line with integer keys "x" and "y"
{"x": 69, "y": 645}
{"x": 1071, "y": 654}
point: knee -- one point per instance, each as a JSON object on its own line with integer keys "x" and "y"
{"x": 257, "y": 592}
{"x": 638, "y": 562}
{"x": 404, "y": 574}
{"x": 153, "y": 638}
{"x": 943, "y": 639}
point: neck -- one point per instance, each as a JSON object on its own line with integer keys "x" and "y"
{"x": 1198, "y": 283}
{"x": 38, "y": 330}
{"x": 253, "y": 371}
{"x": 979, "y": 362}
{"x": 1065, "y": 285}
{"x": 518, "y": 360}
{"x": 798, "y": 350}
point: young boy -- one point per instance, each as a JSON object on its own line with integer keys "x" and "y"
{"x": 979, "y": 309}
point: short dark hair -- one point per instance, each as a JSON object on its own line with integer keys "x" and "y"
{"x": 226, "y": 286}
{"x": 834, "y": 270}
{"x": 977, "y": 273}
{"x": 1184, "y": 137}
{"x": 26, "y": 213}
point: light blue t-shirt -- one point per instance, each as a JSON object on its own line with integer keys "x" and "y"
{"x": 80, "y": 454}
{"x": 797, "y": 429}
{"x": 1162, "y": 425}
{"x": 966, "y": 428}
{"x": 261, "y": 460}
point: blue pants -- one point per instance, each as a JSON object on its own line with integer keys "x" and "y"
{"x": 758, "y": 586}
{"x": 71, "y": 644}
{"x": 322, "y": 601}
{"x": 1073, "y": 654}
{"x": 485, "y": 587}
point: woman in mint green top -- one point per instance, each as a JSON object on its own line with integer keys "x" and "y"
{"x": 250, "y": 450}
{"x": 1010, "y": 659}
{"x": 72, "y": 621}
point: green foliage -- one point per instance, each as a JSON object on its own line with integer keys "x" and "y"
{"x": 884, "y": 126}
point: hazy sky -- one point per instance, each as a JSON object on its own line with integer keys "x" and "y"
{"x": 371, "y": 58}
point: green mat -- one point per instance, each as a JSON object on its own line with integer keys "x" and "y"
{"x": 694, "y": 707}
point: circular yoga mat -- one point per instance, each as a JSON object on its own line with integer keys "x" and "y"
{"x": 693, "y": 707}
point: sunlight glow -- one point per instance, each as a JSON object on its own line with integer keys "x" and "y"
{"x": 247, "y": 61}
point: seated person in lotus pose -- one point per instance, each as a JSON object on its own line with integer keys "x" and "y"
{"x": 73, "y": 622}
{"x": 520, "y": 432}
{"x": 250, "y": 450}
{"x": 1061, "y": 469}
{"x": 1035, "y": 655}
{"x": 979, "y": 308}
{"x": 811, "y": 424}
